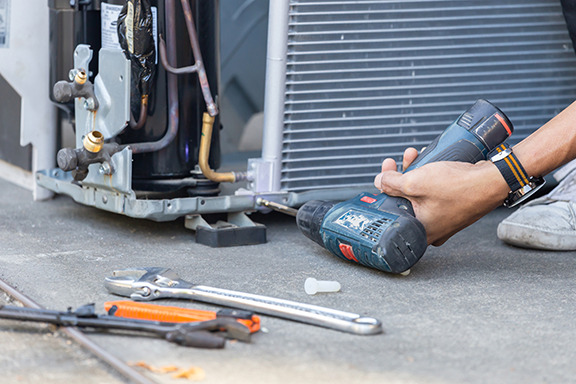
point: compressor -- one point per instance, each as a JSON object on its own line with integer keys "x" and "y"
{"x": 142, "y": 96}
{"x": 157, "y": 110}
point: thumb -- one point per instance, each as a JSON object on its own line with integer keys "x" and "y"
{"x": 390, "y": 183}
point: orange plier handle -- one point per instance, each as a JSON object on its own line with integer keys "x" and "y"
{"x": 145, "y": 311}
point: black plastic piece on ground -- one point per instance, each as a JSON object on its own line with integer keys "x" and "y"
{"x": 231, "y": 236}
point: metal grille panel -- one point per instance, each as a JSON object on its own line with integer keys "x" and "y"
{"x": 368, "y": 78}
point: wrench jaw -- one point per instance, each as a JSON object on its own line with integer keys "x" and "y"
{"x": 122, "y": 281}
{"x": 144, "y": 291}
{"x": 143, "y": 284}
{"x": 120, "y": 285}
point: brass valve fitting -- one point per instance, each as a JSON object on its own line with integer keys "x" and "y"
{"x": 80, "y": 78}
{"x": 93, "y": 141}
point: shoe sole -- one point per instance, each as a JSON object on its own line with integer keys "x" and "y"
{"x": 533, "y": 238}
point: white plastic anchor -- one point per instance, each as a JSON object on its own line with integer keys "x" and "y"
{"x": 313, "y": 286}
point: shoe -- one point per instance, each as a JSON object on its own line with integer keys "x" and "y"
{"x": 548, "y": 222}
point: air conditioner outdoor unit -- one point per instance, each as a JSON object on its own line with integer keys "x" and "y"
{"x": 348, "y": 83}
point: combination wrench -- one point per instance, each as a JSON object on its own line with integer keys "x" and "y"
{"x": 144, "y": 284}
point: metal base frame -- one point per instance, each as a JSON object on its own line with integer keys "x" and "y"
{"x": 126, "y": 203}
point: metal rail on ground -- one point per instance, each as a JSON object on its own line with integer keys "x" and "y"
{"x": 121, "y": 367}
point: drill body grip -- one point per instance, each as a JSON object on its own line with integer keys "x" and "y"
{"x": 465, "y": 148}
{"x": 469, "y": 139}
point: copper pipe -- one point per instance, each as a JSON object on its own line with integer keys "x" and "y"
{"x": 172, "y": 80}
{"x": 204, "y": 152}
{"x": 143, "y": 114}
{"x": 167, "y": 56}
{"x": 166, "y": 64}
{"x": 198, "y": 66}
{"x": 210, "y": 105}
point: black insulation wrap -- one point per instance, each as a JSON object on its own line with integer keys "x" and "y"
{"x": 135, "y": 34}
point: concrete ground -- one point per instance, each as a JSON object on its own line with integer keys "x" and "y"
{"x": 472, "y": 311}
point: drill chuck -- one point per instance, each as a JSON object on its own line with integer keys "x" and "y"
{"x": 310, "y": 217}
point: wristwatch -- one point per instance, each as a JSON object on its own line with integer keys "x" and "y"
{"x": 521, "y": 185}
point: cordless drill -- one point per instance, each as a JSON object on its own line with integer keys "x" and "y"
{"x": 380, "y": 231}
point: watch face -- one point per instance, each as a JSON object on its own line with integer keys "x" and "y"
{"x": 522, "y": 194}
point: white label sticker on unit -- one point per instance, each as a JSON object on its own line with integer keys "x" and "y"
{"x": 4, "y": 23}
{"x": 109, "y": 16}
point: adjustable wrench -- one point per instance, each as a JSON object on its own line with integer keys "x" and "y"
{"x": 152, "y": 283}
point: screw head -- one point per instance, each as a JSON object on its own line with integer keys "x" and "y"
{"x": 89, "y": 104}
{"x": 72, "y": 74}
{"x": 105, "y": 169}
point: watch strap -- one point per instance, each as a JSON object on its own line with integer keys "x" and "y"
{"x": 509, "y": 166}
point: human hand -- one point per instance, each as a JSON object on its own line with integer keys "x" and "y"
{"x": 446, "y": 196}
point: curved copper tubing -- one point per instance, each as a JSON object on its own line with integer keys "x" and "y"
{"x": 198, "y": 66}
{"x": 172, "y": 82}
{"x": 204, "y": 152}
{"x": 168, "y": 55}
{"x": 210, "y": 105}
{"x": 166, "y": 64}
{"x": 143, "y": 114}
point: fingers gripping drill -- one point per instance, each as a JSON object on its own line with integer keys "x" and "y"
{"x": 381, "y": 231}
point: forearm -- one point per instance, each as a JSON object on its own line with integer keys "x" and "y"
{"x": 551, "y": 146}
